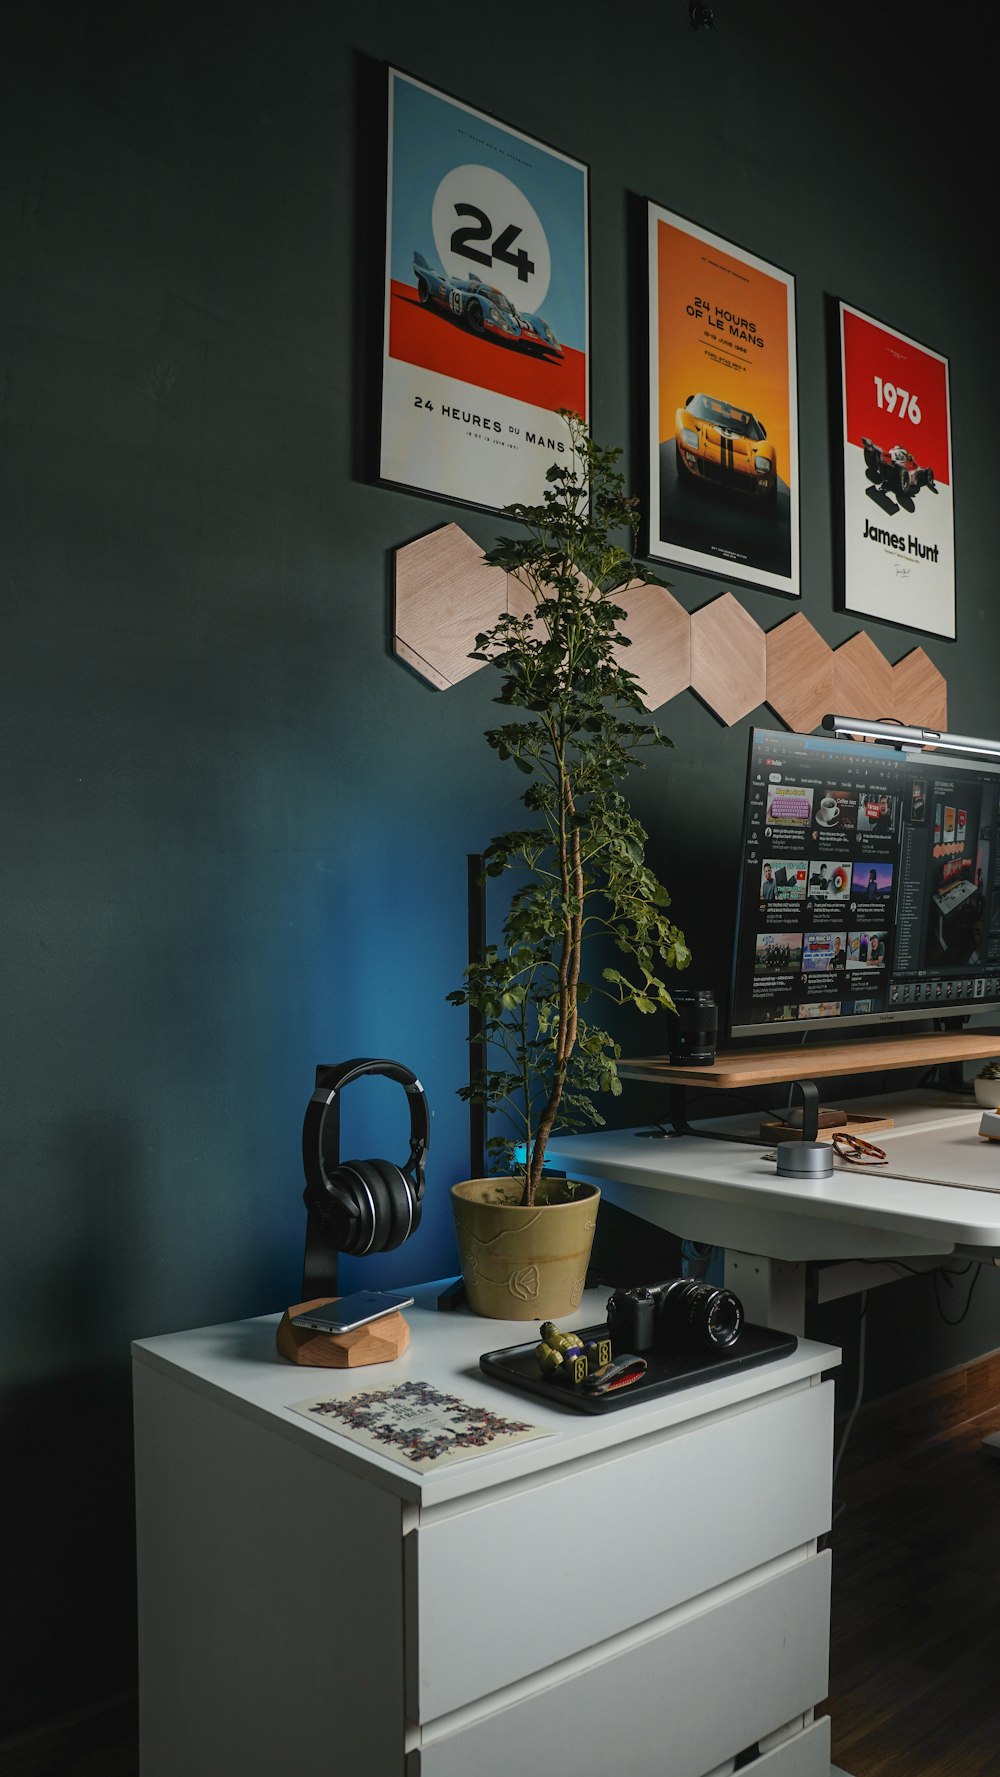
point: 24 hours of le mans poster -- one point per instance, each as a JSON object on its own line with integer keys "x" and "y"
{"x": 486, "y": 302}
{"x": 899, "y": 525}
{"x": 724, "y": 480}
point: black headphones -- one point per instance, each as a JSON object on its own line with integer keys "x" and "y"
{"x": 363, "y": 1206}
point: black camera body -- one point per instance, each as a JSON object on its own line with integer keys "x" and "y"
{"x": 682, "y": 1314}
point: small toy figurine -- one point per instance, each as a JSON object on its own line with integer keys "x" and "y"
{"x": 563, "y": 1357}
{"x": 549, "y": 1359}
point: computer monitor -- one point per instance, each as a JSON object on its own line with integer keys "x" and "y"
{"x": 869, "y": 886}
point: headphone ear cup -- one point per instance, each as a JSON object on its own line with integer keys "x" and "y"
{"x": 351, "y": 1208}
{"x": 394, "y": 1204}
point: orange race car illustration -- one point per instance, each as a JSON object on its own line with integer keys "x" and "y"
{"x": 484, "y": 310}
{"x": 896, "y": 470}
{"x": 726, "y": 448}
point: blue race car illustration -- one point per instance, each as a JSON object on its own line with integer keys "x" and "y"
{"x": 484, "y": 310}
{"x": 727, "y": 448}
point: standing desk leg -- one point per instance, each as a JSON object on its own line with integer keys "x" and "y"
{"x": 772, "y": 1291}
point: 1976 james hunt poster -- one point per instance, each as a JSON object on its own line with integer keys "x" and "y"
{"x": 486, "y": 302}
{"x": 899, "y": 528}
{"x": 723, "y": 416}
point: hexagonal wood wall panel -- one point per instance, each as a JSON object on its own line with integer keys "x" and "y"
{"x": 659, "y": 630}
{"x": 920, "y": 693}
{"x": 862, "y": 680}
{"x": 799, "y": 674}
{"x": 445, "y": 594}
{"x": 728, "y": 659}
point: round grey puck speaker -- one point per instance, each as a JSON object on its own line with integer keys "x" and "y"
{"x": 805, "y": 1159}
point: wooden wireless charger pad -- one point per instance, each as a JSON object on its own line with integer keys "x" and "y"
{"x": 377, "y": 1342}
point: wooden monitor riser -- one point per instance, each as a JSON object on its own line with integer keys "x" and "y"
{"x": 767, "y": 1067}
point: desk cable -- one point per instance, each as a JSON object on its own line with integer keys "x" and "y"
{"x": 858, "y": 1394}
{"x": 942, "y": 1274}
{"x": 660, "y": 1130}
{"x": 945, "y": 1274}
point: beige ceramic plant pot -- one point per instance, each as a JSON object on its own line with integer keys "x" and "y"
{"x": 987, "y": 1092}
{"x": 523, "y": 1264}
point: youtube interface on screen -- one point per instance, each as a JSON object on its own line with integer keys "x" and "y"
{"x": 868, "y": 886}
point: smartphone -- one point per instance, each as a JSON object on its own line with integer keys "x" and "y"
{"x": 352, "y": 1311}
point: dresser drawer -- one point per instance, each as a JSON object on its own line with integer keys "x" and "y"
{"x": 677, "y": 1703}
{"x": 546, "y": 1570}
{"x": 806, "y": 1754}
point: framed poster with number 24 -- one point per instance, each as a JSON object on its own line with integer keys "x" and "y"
{"x": 486, "y": 302}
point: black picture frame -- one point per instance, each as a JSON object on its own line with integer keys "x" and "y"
{"x": 723, "y": 484}
{"x": 487, "y": 301}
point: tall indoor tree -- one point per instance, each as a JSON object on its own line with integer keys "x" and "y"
{"x": 583, "y": 890}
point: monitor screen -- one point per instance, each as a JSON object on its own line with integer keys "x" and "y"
{"x": 869, "y": 885}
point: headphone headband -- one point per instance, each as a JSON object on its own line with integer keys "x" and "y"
{"x": 334, "y": 1077}
{"x": 331, "y": 1079}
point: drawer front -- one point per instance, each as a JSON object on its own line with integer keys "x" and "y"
{"x": 550, "y": 1569}
{"x": 804, "y": 1755}
{"x": 678, "y": 1704}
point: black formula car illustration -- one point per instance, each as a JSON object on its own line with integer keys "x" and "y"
{"x": 484, "y": 310}
{"x": 895, "y": 470}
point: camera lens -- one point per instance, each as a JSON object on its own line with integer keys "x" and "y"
{"x": 695, "y": 1027}
{"x": 699, "y": 1316}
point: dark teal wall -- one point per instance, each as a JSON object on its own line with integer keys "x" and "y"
{"x": 233, "y": 826}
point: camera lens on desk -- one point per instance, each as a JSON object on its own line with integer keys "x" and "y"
{"x": 695, "y": 1314}
{"x": 683, "y": 1314}
{"x": 695, "y": 1027}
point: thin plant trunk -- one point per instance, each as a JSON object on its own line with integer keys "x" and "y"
{"x": 571, "y": 865}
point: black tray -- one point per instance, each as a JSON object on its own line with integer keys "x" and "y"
{"x": 517, "y": 1366}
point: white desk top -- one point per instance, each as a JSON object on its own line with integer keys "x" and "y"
{"x": 238, "y": 1366}
{"x": 729, "y": 1195}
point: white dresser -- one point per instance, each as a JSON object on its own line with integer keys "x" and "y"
{"x": 637, "y": 1594}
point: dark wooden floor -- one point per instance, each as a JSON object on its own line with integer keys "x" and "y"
{"x": 101, "y": 1742}
{"x": 915, "y": 1656}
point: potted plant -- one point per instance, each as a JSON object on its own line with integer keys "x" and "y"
{"x": 582, "y": 894}
{"x": 986, "y": 1085}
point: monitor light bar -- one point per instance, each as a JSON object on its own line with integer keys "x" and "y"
{"x": 897, "y": 734}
